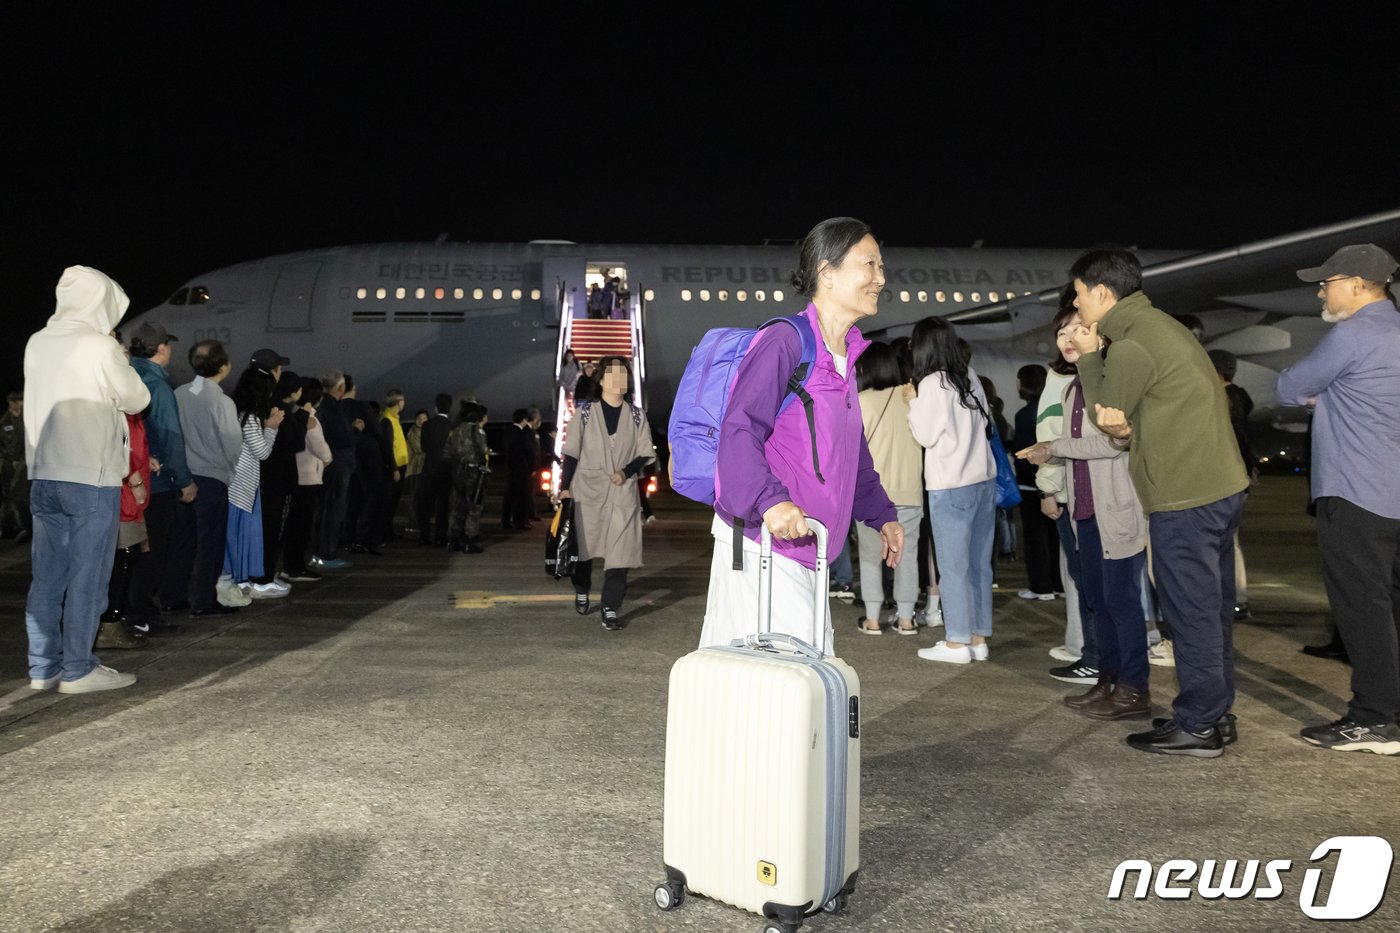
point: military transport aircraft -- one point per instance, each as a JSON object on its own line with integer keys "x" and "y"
{"x": 483, "y": 319}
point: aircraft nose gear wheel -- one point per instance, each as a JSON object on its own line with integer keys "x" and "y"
{"x": 836, "y": 905}
{"x": 669, "y": 896}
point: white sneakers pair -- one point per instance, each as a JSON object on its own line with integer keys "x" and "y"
{"x": 950, "y": 655}
{"x": 98, "y": 679}
{"x": 229, "y": 593}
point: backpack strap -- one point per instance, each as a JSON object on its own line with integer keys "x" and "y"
{"x": 797, "y": 382}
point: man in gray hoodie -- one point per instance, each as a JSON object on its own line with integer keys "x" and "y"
{"x": 78, "y": 389}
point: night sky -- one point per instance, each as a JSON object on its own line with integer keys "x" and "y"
{"x": 156, "y": 146}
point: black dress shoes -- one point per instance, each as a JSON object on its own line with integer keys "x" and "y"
{"x": 1171, "y": 739}
{"x": 1225, "y": 725}
{"x": 1332, "y": 651}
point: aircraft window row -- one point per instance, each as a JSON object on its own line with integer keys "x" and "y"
{"x": 724, "y": 295}
{"x": 438, "y": 294}
{"x": 922, "y": 297}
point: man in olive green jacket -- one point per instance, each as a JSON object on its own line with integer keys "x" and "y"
{"x": 1158, "y": 388}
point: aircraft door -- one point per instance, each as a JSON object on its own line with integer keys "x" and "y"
{"x": 292, "y": 295}
{"x": 562, "y": 287}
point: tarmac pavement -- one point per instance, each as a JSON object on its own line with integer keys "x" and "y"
{"x": 367, "y": 756}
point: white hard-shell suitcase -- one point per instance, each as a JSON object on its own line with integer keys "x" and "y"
{"x": 762, "y": 806}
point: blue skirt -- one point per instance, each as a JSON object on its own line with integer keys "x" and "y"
{"x": 243, "y": 546}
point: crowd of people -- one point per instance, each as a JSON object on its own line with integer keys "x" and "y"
{"x": 1133, "y": 463}
{"x": 202, "y": 499}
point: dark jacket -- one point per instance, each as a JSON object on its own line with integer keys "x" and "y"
{"x": 163, "y": 433}
{"x": 279, "y": 470}
{"x": 335, "y": 423}
{"x": 434, "y": 440}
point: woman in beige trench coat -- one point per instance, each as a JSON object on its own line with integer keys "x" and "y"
{"x": 606, "y": 447}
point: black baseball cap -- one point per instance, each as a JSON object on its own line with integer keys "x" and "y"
{"x": 150, "y": 335}
{"x": 1367, "y": 261}
{"x": 268, "y": 360}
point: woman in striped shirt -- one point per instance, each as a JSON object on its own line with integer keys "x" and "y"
{"x": 258, "y": 420}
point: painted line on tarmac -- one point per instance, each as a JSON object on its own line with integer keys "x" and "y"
{"x": 483, "y": 599}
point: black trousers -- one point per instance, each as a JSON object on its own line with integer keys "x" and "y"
{"x": 275, "y": 501}
{"x": 149, "y": 573}
{"x": 515, "y": 508}
{"x": 614, "y": 583}
{"x": 1041, "y": 544}
{"x": 296, "y": 533}
{"x": 210, "y": 532}
{"x": 1361, "y": 567}
{"x": 434, "y": 499}
{"x": 1193, "y": 554}
{"x": 331, "y": 515}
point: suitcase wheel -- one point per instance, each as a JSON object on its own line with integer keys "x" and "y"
{"x": 669, "y": 896}
{"x": 777, "y": 926}
{"x": 836, "y": 905}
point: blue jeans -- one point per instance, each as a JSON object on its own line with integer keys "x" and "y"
{"x": 75, "y": 540}
{"x": 964, "y": 523}
{"x": 1193, "y": 555}
{"x": 841, "y": 569}
{"x": 1112, "y": 589}
{"x": 1089, "y": 655}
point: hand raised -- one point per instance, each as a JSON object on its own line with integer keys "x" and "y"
{"x": 1112, "y": 421}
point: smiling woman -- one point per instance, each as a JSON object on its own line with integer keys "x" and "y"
{"x": 779, "y": 464}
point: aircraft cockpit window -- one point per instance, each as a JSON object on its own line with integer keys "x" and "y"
{"x": 179, "y": 297}
{"x": 199, "y": 295}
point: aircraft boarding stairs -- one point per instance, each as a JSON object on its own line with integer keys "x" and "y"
{"x": 592, "y": 339}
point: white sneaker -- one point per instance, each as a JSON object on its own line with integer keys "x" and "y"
{"x": 1032, "y": 594}
{"x": 929, "y": 620}
{"x": 232, "y": 596}
{"x": 47, "y": 683}
{"x": 980, "y": 652}
{"x": 267, "y": 591}
{"x": 282, "y": 585}
{"x": 1161, "y": 654}
{"x": 98, "y": 679}
{"x": 941, "y": 652}
{"x": 1061, "y": 653}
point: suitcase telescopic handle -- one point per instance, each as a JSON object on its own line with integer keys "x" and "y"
{"x": 770, "y": 639}
{"x": 765, "y": 580}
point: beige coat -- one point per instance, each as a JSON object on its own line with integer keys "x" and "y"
{"x": 897, "y": 456}
{"x": 608, "y": 518}
{"x": 1117, "y": 509}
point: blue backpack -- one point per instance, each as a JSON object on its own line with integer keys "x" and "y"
{"x": 703, "y": 396}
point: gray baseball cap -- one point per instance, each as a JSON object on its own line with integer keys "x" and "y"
{"x": 1368, "y": 261}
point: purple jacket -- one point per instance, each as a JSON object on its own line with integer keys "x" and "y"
{"x": 761, "y": 463}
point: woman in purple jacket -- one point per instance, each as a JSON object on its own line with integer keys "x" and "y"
{"x": 766, "y": 471}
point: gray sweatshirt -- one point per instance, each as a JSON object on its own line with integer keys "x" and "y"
{"x": 209, "y": 421}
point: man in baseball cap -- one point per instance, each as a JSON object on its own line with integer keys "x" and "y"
{"x": 148, "y": 340}
{"x": 269, "y": 361}
{"x": 1352, "y": 378}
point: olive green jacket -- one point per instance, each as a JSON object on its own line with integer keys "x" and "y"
{"x": 1183, "y": 450}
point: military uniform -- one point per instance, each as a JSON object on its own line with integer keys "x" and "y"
{"x": 467, "y": 455}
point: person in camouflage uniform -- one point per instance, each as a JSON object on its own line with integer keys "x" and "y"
{"x": 14, "y": 475}
{"x": 467, "y": 455}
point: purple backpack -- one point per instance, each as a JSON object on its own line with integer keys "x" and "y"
{"x": 703, "y": 396}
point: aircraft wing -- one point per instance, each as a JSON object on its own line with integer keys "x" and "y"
{"x": 1258, "y": 276}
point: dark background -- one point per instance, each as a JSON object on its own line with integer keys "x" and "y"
{"x": 161, "y": 142}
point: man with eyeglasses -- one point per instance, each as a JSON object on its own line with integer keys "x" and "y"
{"x": 1352, "y": 380}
